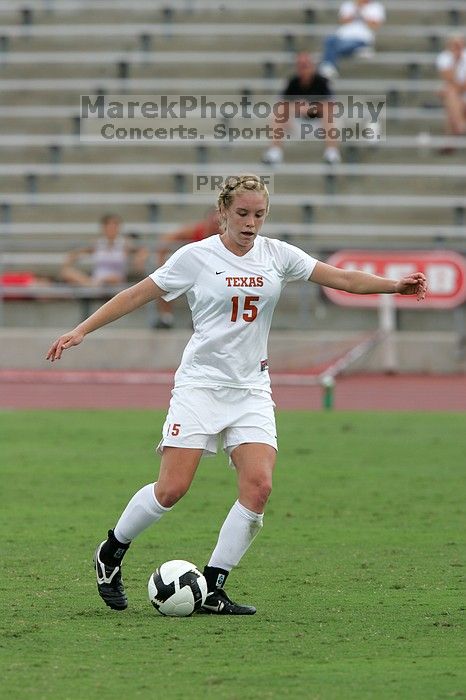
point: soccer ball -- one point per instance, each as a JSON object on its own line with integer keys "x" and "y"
{"x": 177, "y": 588}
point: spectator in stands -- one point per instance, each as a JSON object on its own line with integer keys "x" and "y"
{"x": 359, "y": 21}
{"x": 451, "y": 65}
{"x": 139, "y": 256}
{"x": 186, "y": 234}
{"x": 112, "y": 257}
{"x": 309, "y": 84}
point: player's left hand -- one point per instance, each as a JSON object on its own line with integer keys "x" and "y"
{"x": 65, "y": 341}
{"x": 413, "y": 284}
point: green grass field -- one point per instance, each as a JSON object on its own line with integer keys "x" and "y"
{"x": 358, "y": 574}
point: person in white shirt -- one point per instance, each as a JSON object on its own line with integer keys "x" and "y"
{"x": 112, "y": 256}
{"x": 451, "y": 65}
{"x": 359, "y": 21}
{"x": 222, "y": 387}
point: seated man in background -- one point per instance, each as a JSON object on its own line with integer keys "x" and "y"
{"x": 185, "y": 234}
{"x": 451, "y": 65}
{"x": 359, "y": 21}
{"x": 112, "y": 257}
{"x": 309, "y": 84}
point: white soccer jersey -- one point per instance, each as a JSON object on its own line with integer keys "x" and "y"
{"x": 357, "y": 28}
{"x": 232, "y": 299}
{"x": 446, "y": 61}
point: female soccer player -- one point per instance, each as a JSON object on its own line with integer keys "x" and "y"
{"x": 232, "y": 281}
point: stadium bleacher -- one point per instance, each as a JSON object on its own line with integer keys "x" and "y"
{"x": 54, "y": 186}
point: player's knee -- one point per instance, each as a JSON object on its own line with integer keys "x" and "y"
{"x": 260, "y": 493}
{"x": 169, "y": 494}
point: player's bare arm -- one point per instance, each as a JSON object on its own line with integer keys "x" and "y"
{"x": 121, "y": 304}
{"x": 358, "y": 282}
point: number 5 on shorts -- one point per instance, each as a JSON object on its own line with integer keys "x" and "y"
{"x": 174, "y": 429}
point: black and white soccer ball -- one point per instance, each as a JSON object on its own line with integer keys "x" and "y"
{"x": 177, "y": 588}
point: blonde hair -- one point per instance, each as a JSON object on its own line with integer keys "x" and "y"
{"x": 238, "y": 184}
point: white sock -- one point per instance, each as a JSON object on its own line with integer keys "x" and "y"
{"x": 236, "y": 535}
{"x": 142, "y": 510}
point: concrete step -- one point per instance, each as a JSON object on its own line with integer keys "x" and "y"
{"x": 299, "y": 183}
{"x": 422, "y": 148}
{"x": 427, "y": 35}
{"x": 221, "y": 86}
{"x": 329, "y": 214}
{"x": 256, "y": 13}
{"x": 138, "y": 66}
{"x": 432, "y": 42}
{"x": 56, "y": 238}
{"x": 93, "y": 72}
{"x": 312, "y": 11}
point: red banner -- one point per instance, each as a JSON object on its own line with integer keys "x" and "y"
{"x": 445, "y": 272}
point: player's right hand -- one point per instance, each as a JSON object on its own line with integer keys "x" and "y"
{"x": 65, "y": 341}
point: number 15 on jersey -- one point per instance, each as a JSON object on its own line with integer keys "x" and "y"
{"x": 248, "y": 311}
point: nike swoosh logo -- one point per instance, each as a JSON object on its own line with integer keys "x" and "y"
{"x": 220, "y": 273}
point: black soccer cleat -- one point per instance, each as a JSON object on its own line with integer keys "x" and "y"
{"x": 218, "y": 603}
{"x": 109, "y": 583}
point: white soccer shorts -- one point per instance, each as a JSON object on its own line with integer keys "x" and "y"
{"x": 198, "y": 416}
